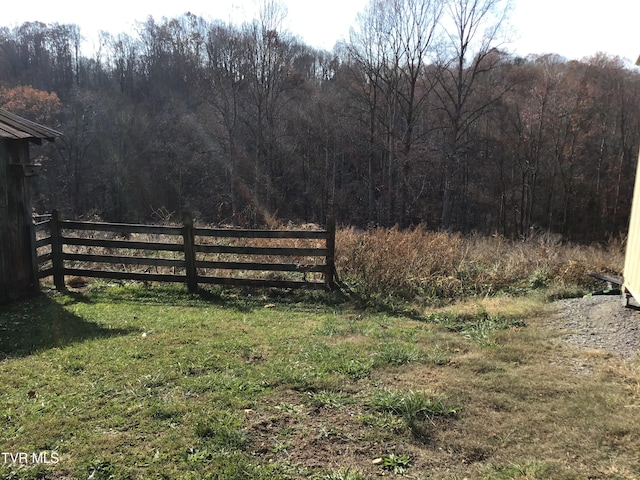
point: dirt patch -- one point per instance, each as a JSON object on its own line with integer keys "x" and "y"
{"x": 600, "y": 322}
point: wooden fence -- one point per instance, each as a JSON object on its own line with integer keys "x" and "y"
{"x": 186, "y": 254}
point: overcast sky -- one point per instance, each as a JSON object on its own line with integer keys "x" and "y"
{"x": 572, "y": 28}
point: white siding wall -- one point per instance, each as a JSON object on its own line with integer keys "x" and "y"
{"x": 632, "y": 255}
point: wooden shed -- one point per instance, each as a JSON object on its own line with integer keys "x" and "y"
{"x": 18, "y": 268}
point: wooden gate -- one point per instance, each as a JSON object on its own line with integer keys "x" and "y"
{"x": 186, "y": 254}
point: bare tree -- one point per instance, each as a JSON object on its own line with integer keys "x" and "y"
{"x": 473, "y": 33}
{"x": 390, "y": 49}
{"x": 269, "y": 54}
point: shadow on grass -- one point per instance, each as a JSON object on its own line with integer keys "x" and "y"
{"x": 41, "y": 323}
{"x": 240, "y": 299}
{"x": 245, "y": 300}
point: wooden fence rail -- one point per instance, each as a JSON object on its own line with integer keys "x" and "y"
{"x": 185, "y": 254}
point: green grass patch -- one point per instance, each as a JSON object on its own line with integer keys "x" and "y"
{"x": 135, "y": 382}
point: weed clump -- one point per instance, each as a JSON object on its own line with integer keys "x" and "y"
{"x": 477, "y": 327}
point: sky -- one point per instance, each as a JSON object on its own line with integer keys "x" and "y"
{"x": 572, "y": 28}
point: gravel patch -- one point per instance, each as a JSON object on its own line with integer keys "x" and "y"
{"x": 600, "y": 322}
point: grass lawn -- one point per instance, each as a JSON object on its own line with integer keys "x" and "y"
{"x": 134, "y": 382}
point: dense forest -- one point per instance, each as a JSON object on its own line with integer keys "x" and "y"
{"x": 420, "y": 117}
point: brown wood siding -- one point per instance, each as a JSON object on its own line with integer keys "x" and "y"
{"x": 4, "y": 223}
{"x": 18, "y": 268}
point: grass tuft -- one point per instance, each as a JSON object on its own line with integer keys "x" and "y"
{"x": 477, "y": 327}
{"x": 411, "y": 405}
{"x": 223, "y": 431}
{"x": 343, "y": 474}
{"x": 398, "y": 464}
{"x": 398, "y": 354}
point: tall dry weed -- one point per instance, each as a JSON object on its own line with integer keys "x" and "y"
{"x": 441, "y": 265}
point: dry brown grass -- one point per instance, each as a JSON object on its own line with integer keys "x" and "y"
{"x": 421, "y": 263}
{"x": 528, "y": 397}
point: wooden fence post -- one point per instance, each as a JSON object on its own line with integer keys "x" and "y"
{"x": 56, "y": 252}
{"x": 34, "y": 257}
{"x": 189, "y": 252}
{"x": 329, "y": 276}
